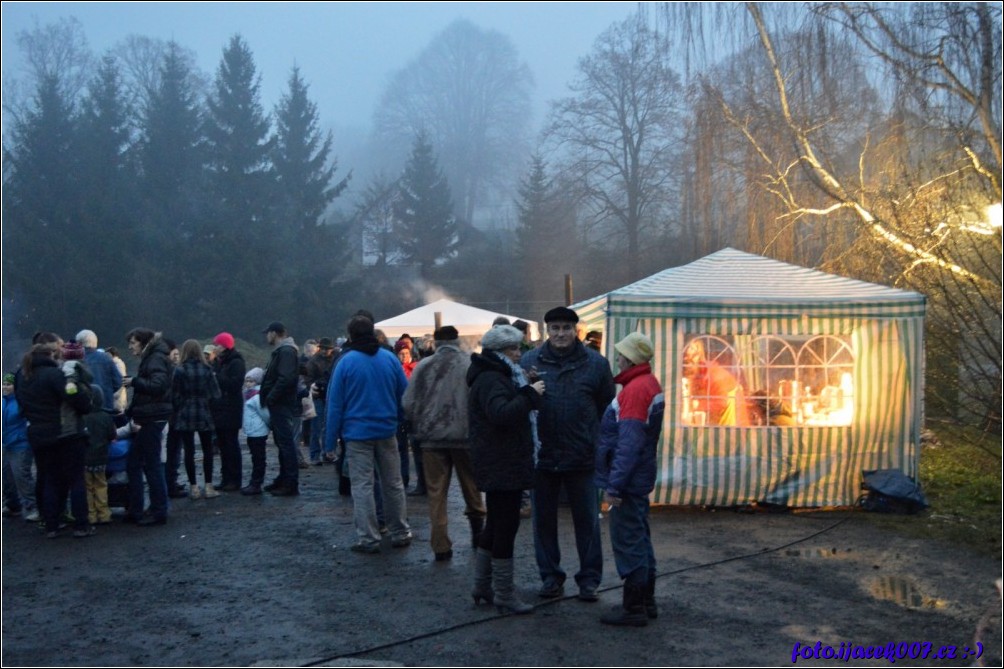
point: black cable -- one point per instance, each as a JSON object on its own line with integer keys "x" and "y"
{"x": 478, "y": 621}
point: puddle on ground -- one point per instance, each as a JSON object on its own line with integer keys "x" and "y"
{"x": 903, "y": 591}
{"x": 831, "y": 553}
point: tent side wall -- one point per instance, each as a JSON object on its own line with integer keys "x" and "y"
{"x": 793, "y": 466}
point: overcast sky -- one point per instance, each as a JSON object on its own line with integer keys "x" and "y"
{"x": 346, "y": 50}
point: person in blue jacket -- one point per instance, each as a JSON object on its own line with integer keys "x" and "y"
{"x": 625, "y": 471}
{"x": 18, "y": 481}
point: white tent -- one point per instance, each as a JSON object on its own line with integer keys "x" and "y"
{"x": 469, "y": 321}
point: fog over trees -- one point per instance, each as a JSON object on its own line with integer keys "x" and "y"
{"x": 858, "y": 138}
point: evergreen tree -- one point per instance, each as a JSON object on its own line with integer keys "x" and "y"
{"x": 241, "y": 184}
{"x": 426, "y": 228}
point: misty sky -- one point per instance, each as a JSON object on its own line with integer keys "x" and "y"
{"x": 346, "y": 50}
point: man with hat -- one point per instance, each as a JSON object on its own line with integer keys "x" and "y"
{"x": 435, "y": 403}
{"x": 625, "y": 471}
{"x": 279, "y": 395}
{"x": 228, "y": 410}
{"x": 579, "y": 389}
{"x": 318, "y": 372}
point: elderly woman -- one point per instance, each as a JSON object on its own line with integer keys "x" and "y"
{"x": 502, "y": 414}
{"x": 150, "y": 410}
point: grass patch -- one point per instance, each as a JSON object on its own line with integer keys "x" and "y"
{"x": 960, "y": 474}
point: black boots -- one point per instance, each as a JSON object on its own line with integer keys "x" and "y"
{"x": 632, "y": 611}
{"x": 651, "y": 610}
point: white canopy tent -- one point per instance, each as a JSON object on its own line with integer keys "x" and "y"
{"x": 469, "y": 321}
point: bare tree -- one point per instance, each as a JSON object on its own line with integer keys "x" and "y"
{"x": 470, "y": 93}
{"x": 616, "y": 135}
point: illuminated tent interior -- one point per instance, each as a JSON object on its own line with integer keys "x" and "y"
{"x": 469, "y": 321}
{"x": 782, "y": 383}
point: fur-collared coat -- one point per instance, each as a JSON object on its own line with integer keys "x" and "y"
{"x": 435, "y": 401}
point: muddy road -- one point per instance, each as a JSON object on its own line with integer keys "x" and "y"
{"x": 264, "y": 581}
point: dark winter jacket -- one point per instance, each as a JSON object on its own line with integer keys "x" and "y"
{"x": 42, "y": 398}
{"x": 319, "y": 373}
{"x": 579, "y": 389}
{"x": 629, "y": 434}
{"x": 100, "y": 433}
{"x": 193, "y": 388}
{"x": 151, "y": 396}
{"x": 228, "y": 410}
{"x": 500, "y": 434}
{"x": 279, "y": 387}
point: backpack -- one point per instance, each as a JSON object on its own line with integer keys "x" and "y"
{"x": 890, "y": 491}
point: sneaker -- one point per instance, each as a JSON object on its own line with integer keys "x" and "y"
{"x": 210, "y": 491}
{"x": 587, "y": 593}
{"x": 403, "y": 542}
{"x": 84, "y": 533}
{"x": 551, "y": 590}
{"x": 329, "y": 458}
{"x": 194, "y": 492}
{"x": 365, "y": 548}
{"x": 32, "y": 517}
{"x": 251, "y": 489}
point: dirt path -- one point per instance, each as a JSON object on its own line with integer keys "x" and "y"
{"x": 239, "y": 581}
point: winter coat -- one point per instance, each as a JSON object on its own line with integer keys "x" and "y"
{"x": 15, "y": 425}
{"x": 100, "y": 433}
{"x": 106, "y": 375}
{"x": 193, "y": 388}
{"x": 151, "y": 396}
{"x": 500, "y": 434}
{"x": 282, "y": 376}
{"x": 579, "y": 389}
{"x": 228, "y": 410}
{"x": 364, "y": 396}
{"x": 629, "y": 434}
{"x": 42, "y": 398}
{"x": 256, "y": 418}
{"x": 435, "y": 401}
{"x": 319, "y": 373}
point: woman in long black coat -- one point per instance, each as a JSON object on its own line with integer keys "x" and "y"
{"x": 502, "y": 432}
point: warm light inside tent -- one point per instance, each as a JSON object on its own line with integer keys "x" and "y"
{"x": 764, "y": 380}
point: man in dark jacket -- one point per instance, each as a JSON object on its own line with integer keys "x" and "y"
{"x": 228, "y": 410}
{"x": 579, "y": 389}
{"x": 317, "y": 377}
{"x": 279, "y": 394}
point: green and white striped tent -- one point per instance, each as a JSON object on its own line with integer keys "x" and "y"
{"x": 732, "y": 293}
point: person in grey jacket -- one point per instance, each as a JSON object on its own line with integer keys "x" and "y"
{"x": 579, "y": 389}
{"x": 435, "y": 403}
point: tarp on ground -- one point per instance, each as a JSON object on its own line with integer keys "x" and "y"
{"x": 741, "y": 296}
{"x": 468, "y": 320}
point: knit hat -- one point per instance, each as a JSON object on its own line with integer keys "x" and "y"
{"x": 73, "y": 351}
{"x": 87, "y": 339}
{"x": 446, "y": 333}
{"x": 224, "y": 339}
{"x": 563, "y": 314}
{"x": 255, "y": 375}
{"x": 636, "y": 347}
{"x": 8, "y": 379}
{"x": 500, "y": 338}
{"x": 208, "y": 349}
{"x": 401, "y": 343}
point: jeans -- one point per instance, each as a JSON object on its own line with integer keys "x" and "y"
{"x": 18, "y": 481}
{"x": 231, "y": 466}
{"x": 144, "y": 460}
{"x": 631, "y": 538}
{"x": 317, "y": 431}
{"x": 365, "y": 459}
{"x": 284, "y": 425}
{"x": 582, "y": 497}
{"x": 402, "y": 449}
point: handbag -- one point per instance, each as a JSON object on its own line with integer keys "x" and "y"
{"x": 308, "y": 411}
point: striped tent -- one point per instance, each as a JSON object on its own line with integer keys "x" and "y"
{"x": 741, "y": 296}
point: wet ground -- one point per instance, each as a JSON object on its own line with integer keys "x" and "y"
{"x": 238, "y": 581}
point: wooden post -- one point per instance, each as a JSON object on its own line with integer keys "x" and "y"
{"x": 568, "y": 289}
{"x": 438, "y": 318}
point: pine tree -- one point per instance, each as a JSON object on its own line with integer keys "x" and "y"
{"x": 426, "y": 228}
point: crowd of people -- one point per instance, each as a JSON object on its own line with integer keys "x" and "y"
{"x": 512, "y": 419}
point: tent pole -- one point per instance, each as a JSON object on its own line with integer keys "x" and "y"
{"x": 568, "y": 289}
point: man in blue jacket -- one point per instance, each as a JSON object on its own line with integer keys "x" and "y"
{"x": 364, "y": 409}
{"x": 579, "y": 389}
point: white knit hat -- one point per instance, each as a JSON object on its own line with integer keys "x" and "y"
{"x": 636, "y": 347}
{"x": 500, "y": 338}
{"x": 255, "y": 375}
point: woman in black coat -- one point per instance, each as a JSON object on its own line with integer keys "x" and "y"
{"x": 150, "y": 410}
{"x": 193, "y": 387}
{"x": 502, "y": 432}
{"x": 54, "y": 407}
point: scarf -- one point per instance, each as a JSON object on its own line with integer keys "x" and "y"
{"x": 519, "y": 380}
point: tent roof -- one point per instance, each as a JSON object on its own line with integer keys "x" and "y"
{"x": 730, "y": 277}
{"x": 468, "y": 320}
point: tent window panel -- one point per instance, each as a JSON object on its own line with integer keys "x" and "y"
{"x": 748, "y": 380}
